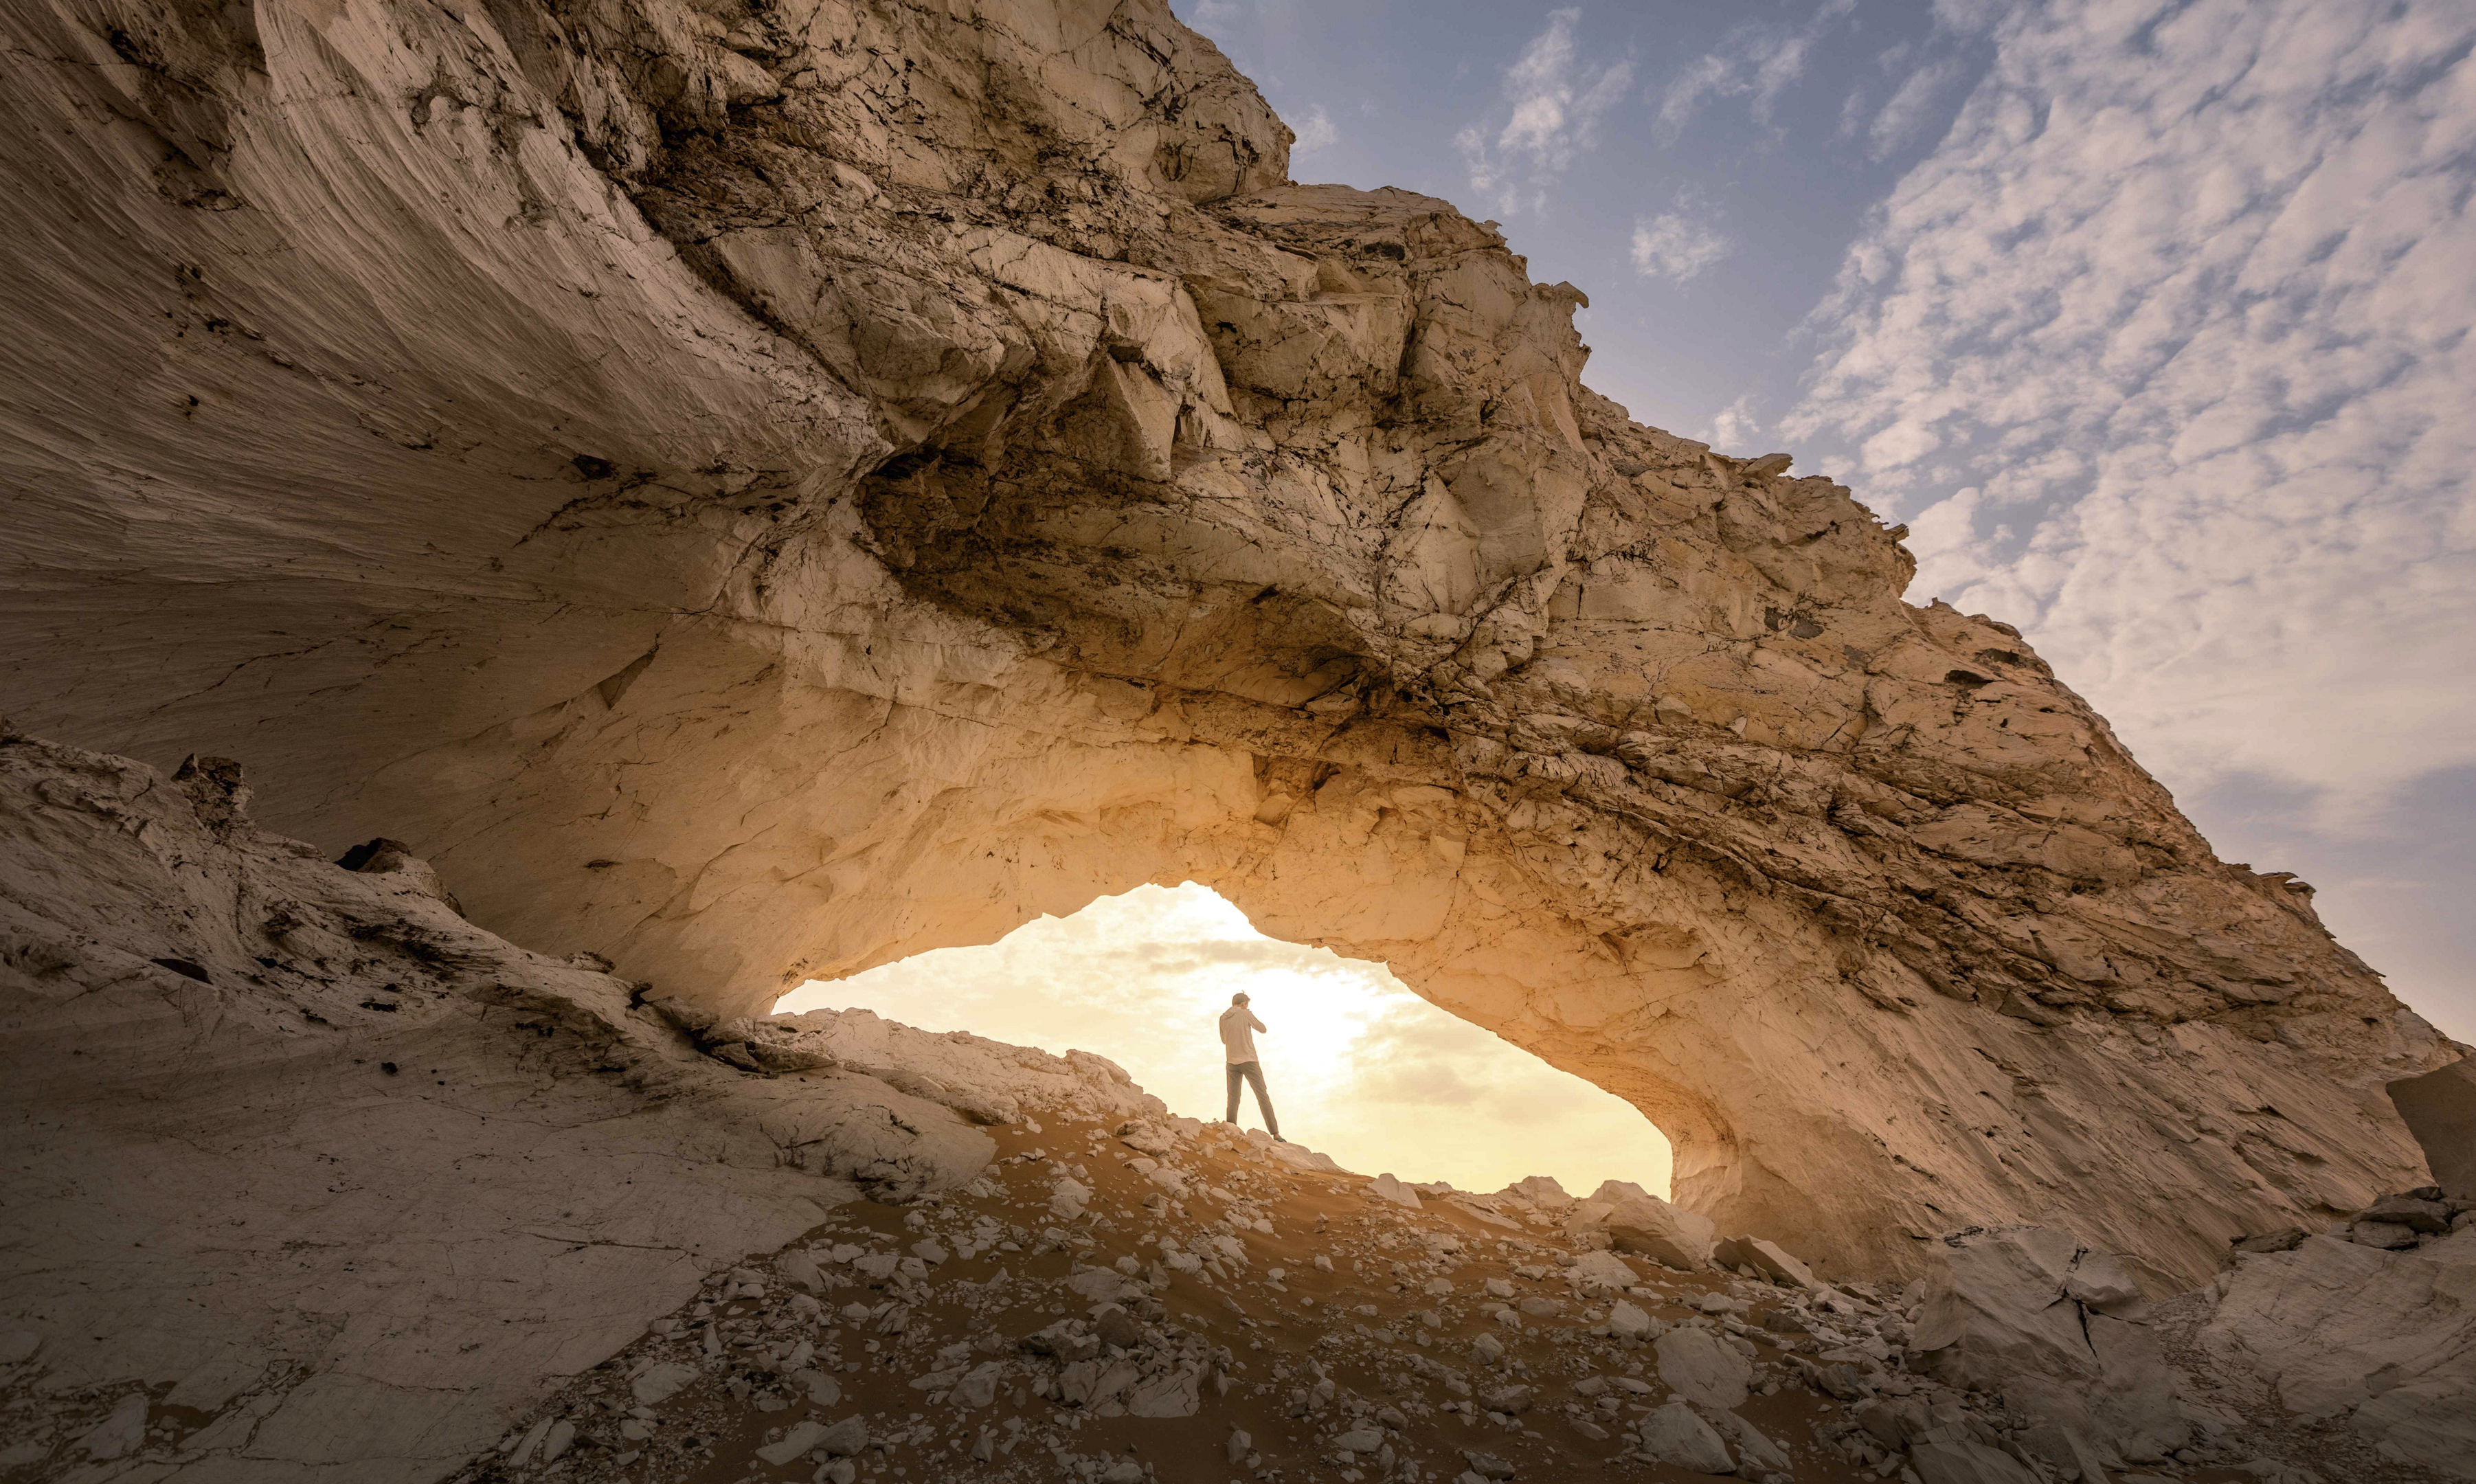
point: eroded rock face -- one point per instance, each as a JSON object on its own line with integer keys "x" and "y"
{"x": 339, "y": 1183}
{"x": 760, "y": 493}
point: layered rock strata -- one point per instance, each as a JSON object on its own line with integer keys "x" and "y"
{"x": 757, "y": 492}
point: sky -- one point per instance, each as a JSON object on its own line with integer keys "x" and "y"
{"x": 1358, "y": 1066}
{"x": 2151, "y": 321}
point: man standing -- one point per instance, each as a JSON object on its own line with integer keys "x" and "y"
{"x": 1238, "y": 1028}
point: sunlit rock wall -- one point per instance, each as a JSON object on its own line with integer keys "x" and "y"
{"x": 756, "y": 493}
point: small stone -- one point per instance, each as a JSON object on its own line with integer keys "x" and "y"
{"x": 1116, "y": 1327}
{"x": 801, "y": 1437}
{"x": 1511, "y": 1400}
{"x": 1698, "y": 1367}
{"x": 2427, "y": 1217}
{"x": 1674, "y": 1435}
{"x": 845, "y": 1438}
{"x": 660, "y": 1383}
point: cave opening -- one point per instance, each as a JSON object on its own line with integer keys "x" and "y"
{"x": 1359, "y": 1066}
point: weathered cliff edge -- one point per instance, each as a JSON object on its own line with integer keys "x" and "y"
{"x": 758, "y": 492}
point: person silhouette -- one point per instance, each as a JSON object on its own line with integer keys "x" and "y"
{"x": 1238, "y": 1028}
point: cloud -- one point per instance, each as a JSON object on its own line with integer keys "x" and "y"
{"x": 1911, "y": 107}
{"x": 1313, "y": 130}
{"x": 1551, "y": 104}
{"x": 2169, "y": 341}
{"x": 1759, "y": 60}
{"x": 1674, "y": 245}
{"x": 1735, "y": 426}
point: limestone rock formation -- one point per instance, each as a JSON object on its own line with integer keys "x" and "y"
{"x": 311, "y": 1179}
{"x": 342, "y": 1181}
{"x": 756, "y": 492}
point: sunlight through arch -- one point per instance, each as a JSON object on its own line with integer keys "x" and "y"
{"x": 1360, "y": 1068}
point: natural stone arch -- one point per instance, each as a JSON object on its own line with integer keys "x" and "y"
{"x": 762, "y": 526}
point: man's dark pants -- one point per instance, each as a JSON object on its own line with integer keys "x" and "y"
{"x": 1254, "y": 1074}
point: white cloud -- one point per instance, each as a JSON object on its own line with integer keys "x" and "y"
{"x": 2185, "y": 301}
{"x": 1734, "y": 426}
{"x": 1553, "y": 103}
{"x": 1315, "y": 131}
{"x": 1757, "y": 60}
{"x": 1911, "y": 107}
{"x": 1675, "y": 244}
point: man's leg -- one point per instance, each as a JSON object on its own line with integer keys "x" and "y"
{"x": 1255, "y": 1079}
{"x": 1234, "y": 1074}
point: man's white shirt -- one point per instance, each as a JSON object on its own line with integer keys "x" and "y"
{"x": 1238, "y": 1028}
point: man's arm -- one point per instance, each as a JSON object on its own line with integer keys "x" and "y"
{"x": 1257, "y": 1023}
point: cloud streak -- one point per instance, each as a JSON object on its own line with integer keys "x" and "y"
{"x": 2166, "y": 350}
{"x": 1677, "y": 243}
{"x": 1552, "y": 105}
{"x": 1758, "y": 61}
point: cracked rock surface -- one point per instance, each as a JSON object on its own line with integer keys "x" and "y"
{"x": 757, "y": 491}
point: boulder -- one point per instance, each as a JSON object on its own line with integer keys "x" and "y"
{"x": 1626, "y": 1322}
{"x": 1699, "y": 1365}
{"x": 1385, "y": 1187}
{"x": 1642, "y": 1223}
{"x": 2384, "y": 1340}
{"x": 2417, "y": 1214}
{"x": 1765, "y": 1258}
{"x": 1541, "y": 1191}
{"x": 2439, "y": 1109}
{"x": 1674, "y": 1436}
{"x": 2029, "y": 1312}
{"x": 1604, "y": 1270}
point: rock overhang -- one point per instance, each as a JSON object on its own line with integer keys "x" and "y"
{"x": 766, "y": 511}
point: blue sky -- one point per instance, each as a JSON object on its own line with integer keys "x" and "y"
{"x": 2150, "y": 318}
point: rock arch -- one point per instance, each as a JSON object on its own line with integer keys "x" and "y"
{"x": 757, "y": 499}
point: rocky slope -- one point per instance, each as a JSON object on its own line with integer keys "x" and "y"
{"x": 311, "y": 1179}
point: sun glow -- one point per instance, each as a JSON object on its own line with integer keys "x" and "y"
{"x": 1358, "y": 1066}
